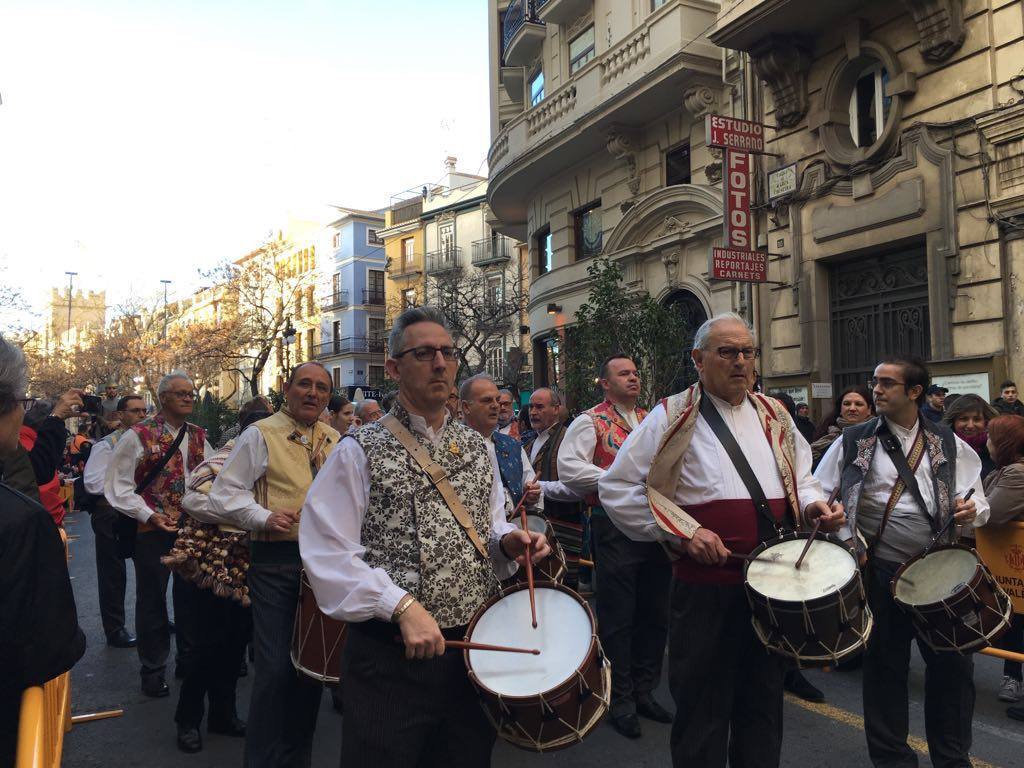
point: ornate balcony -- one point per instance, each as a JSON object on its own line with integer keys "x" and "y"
{"x": 562, "y": 11}
{"x": 492, "y": 250}
{"x": 350, "y": 345}
{"x": 374, "y": 296}
{"x": 446, "y": 260}
{"x": 523, "y": 34}
{"x": 402, "y": 268}
{"x": 334, "y": 300}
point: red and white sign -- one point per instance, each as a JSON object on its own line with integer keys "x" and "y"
{"x": 739, "y": 223}
{"x": 732, "y": 133}
{"x": 739, "y": 265}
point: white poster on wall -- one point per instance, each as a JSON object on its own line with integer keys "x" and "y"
{"x": 965, "y": 384}
{"x": 821, "y": 390}
{"x": 799, "y": 394}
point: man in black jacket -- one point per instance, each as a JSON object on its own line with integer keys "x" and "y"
{"x": 41, "y": 637}
{"x": 1008, "y": 401}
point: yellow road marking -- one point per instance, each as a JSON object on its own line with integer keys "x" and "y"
{"x": 856, "y": 721}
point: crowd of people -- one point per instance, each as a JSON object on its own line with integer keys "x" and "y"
{"x": 400, "y": 514}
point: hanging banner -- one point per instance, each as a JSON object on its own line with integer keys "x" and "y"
{"x": 739, "y": 266}
{"x": 733, "y": 133}
{"x": 739, "y": 223}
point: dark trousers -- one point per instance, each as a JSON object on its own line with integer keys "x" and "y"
{"x": 948, "y": 686}
{"x": 151, "y": 628}
{"x": 285, "y": 703}
{"x": 217, "y": 630}
{"x": 111, "y": 571}
{"x": 409, "y": 714}
{"x": 633, "y": 586}
{"x": 1013, "y": 640}
{"x": 726, "y": 686}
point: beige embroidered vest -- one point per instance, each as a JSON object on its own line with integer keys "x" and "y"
{"x": 294, "y": 453}
{"x": 409, "y": 531}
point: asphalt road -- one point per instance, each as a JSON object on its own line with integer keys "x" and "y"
{"x": 144, "y": 736}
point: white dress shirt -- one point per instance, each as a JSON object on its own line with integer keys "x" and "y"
{"x": 529, "y": 475}
{"x": 707, "y": 474}
{"x": 555, "y": 490}
{"x": 576, "y": 466}
{"x": 908, "y": 530}
{"x": 95, "y": 474}
{"x": 346, "y": 587}
{"x": 231, "y": 497}
{"x": 119, "y": 483}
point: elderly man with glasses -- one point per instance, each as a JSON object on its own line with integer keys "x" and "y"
{"x": 150, "y": 467}
{"x": 711, "y": 471}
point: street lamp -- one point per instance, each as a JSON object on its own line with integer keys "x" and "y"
{"x": 289, "y": 338}
{"x": 166, "y": 283}
{"x": 71, "y": 281}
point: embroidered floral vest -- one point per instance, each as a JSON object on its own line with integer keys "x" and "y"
{"x": 859, "y": 445}
{"x": 165, "y": 492}
{"x": 611, "y": 431}
{"x": 408, "y": 529}
{"x": 510, "y": 464}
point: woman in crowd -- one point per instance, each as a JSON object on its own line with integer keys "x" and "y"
{"x": 968, "y": 416}
{"x": 1004, "y": 489}
{"x": 853, "y": 406}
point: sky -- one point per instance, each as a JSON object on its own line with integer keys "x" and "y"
{"x": 143, "y": 140}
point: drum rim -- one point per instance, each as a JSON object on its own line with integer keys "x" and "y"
{"x": 979, "y": 572}
{"x": 816, "y": 602}
{"x": 592, "y": 650}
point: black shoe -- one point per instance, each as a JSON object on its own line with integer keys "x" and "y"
{"x": 800, "y": 686}
{"x": 627, "y": 725}
{"x": 121, "y": 639}
{"x": 189, "y": 739}
{"x": 652, "y": 710}
{"x": 155, "y": 687}
{"x": 1016, "y": 712}
{"x": 230, "y": 727}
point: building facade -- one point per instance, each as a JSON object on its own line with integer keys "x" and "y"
{"x": 402, "y": 234}
{"x": 69, "y": 319}
{"x": 351, "y": 320}
{"x": 901, "y": 232}
{"x": 598, "y": 149}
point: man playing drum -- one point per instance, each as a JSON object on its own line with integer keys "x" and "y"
{"x": 404, "y": 536}
{"x": 261, "y": 489}
{"x": 633, "y": 577}
{"x": 898, "y": 522}
{"x": 727, "y": 688}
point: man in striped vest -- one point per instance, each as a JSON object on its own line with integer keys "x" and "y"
{"x": 633, "y": 577}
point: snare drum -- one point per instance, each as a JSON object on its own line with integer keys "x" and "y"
{"x": 552, "y": 567}
{"x": 817, "y": 615}
{"x": 952, "y": 598}
{"x": 317, "y": 640}
{"x": 546, "y": 702}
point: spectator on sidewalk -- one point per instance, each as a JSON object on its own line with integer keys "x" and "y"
{"x": 1008, "y": 400}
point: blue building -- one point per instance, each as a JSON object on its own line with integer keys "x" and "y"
{"x": 352, "y": 311}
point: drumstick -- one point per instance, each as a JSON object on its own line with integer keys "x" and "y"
{"x": 815, "y": 529}
{"x": 750, "y": 558}
{"x": 946, "y": 527}
{"x": 462, "y": 645}
{"x": 529, "y": 566}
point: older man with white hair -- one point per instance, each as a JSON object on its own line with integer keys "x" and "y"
{"x": 149, "y": 470}
{"x": 714, "y": 470}
{"x": 368, "y": 411}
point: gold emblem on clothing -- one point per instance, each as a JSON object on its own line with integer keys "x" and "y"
{"x": 453, "y": 448}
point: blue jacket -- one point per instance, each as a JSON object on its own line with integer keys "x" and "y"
{"x": 510, "y": 464}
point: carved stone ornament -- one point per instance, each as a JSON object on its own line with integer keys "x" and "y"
{"x": 713, "y": 170}
{"x": 620, "y": 146}
{"x": 783, "y": 62}
{"x": 700, "y": 101}
{"x": 940, "y": 27}
{"x": 671, "y": 261}
{"x": 672, "y": 224}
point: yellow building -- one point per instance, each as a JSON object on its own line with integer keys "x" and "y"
{"x": 403, "y": 236}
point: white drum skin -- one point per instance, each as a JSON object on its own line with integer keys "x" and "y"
{"x": 936, "y": 577}
{"x": 824, "y": 571}
{"x": 563, "y": 635}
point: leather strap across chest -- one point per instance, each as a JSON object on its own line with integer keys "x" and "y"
{"x": 438, "y": 478}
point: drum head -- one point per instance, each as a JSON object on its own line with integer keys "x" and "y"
{"x": 535, "y": 523}
{"x": 826, "y": 569}
{"x": 563, "y": 635}
{"x": 936, "y": 576}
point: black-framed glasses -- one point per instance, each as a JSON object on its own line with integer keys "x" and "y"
{"x": 885, "y": 383}
{"x": 427, "y": 353}
{"x": 183, "y": 395}
{"x": 732, "y": 353}
{"x": 26, "y": 402}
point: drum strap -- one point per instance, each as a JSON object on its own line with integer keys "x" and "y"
{"x": 767, "y": 526}
{"x": 906, "y": 466}
{"x": 438, "y": 478}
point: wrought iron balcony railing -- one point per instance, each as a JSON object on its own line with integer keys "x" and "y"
{"x": 405, "y": 267}
{"x": 492, "y": 250}
{"x": 373, "y": 296}
{"x": 334, "y": 300}
{"x": 446, "y": 260}
{"x": 350, "y": 345}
